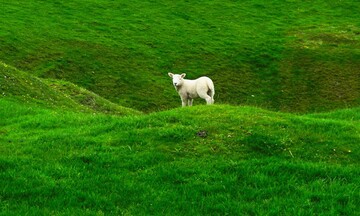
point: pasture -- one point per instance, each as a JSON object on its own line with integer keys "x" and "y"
{"x": 251, "y": 162}
{"x": 297, "y": 56}
{"x": 90, "y": 123}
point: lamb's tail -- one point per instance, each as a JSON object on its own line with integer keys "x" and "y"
{"x": 211, "y": 91}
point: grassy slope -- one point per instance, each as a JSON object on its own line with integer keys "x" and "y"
{"x": 23, "y": 87}
{"x": 251, "y": 162}
{"x": 286, "y": 55}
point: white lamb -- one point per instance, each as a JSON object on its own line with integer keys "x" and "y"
{"x": 202, "y": 87}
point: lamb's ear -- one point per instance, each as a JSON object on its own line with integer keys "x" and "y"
{"x": 170, "y": 74}
{"x": 183, "y": 75}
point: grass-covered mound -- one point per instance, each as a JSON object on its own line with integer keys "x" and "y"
{"x": 203, "y": 160}
{"x": 20, "y": 86}
{"x": 287, "y": 55}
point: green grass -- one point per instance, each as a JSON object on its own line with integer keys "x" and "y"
{"x": 251, "y": 162}
{"x": 283, "y": 55}
{"x": 21, "y": 86}
{"x": 77, "y": 77}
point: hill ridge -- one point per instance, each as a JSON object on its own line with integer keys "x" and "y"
{"x": 54, "y": 93}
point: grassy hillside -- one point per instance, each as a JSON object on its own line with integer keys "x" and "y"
{"x": 285, "y": 55}
{"x": 21, "y": 86}
{"x": 204, "y": 160}
{"x": 72, "y": 141}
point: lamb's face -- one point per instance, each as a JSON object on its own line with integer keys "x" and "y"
{"x": 177, "y": 79}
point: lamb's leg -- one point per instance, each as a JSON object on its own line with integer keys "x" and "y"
{"x": 211, "y": 101}
{"x": 208, "y": 99}
{"x": 190, "y": 102}
{"x": 183, "y": 102}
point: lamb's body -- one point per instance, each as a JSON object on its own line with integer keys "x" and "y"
{"x": 202, "y": 87}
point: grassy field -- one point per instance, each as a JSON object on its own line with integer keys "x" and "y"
{"x": 204, "y": 160}
{"x": 89, "y": 123}
{"x": 292, "y": 55}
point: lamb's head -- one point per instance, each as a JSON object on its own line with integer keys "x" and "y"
{"x": 177, "y": 79}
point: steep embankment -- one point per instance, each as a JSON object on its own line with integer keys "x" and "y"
{"x": 284, "y": 55}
